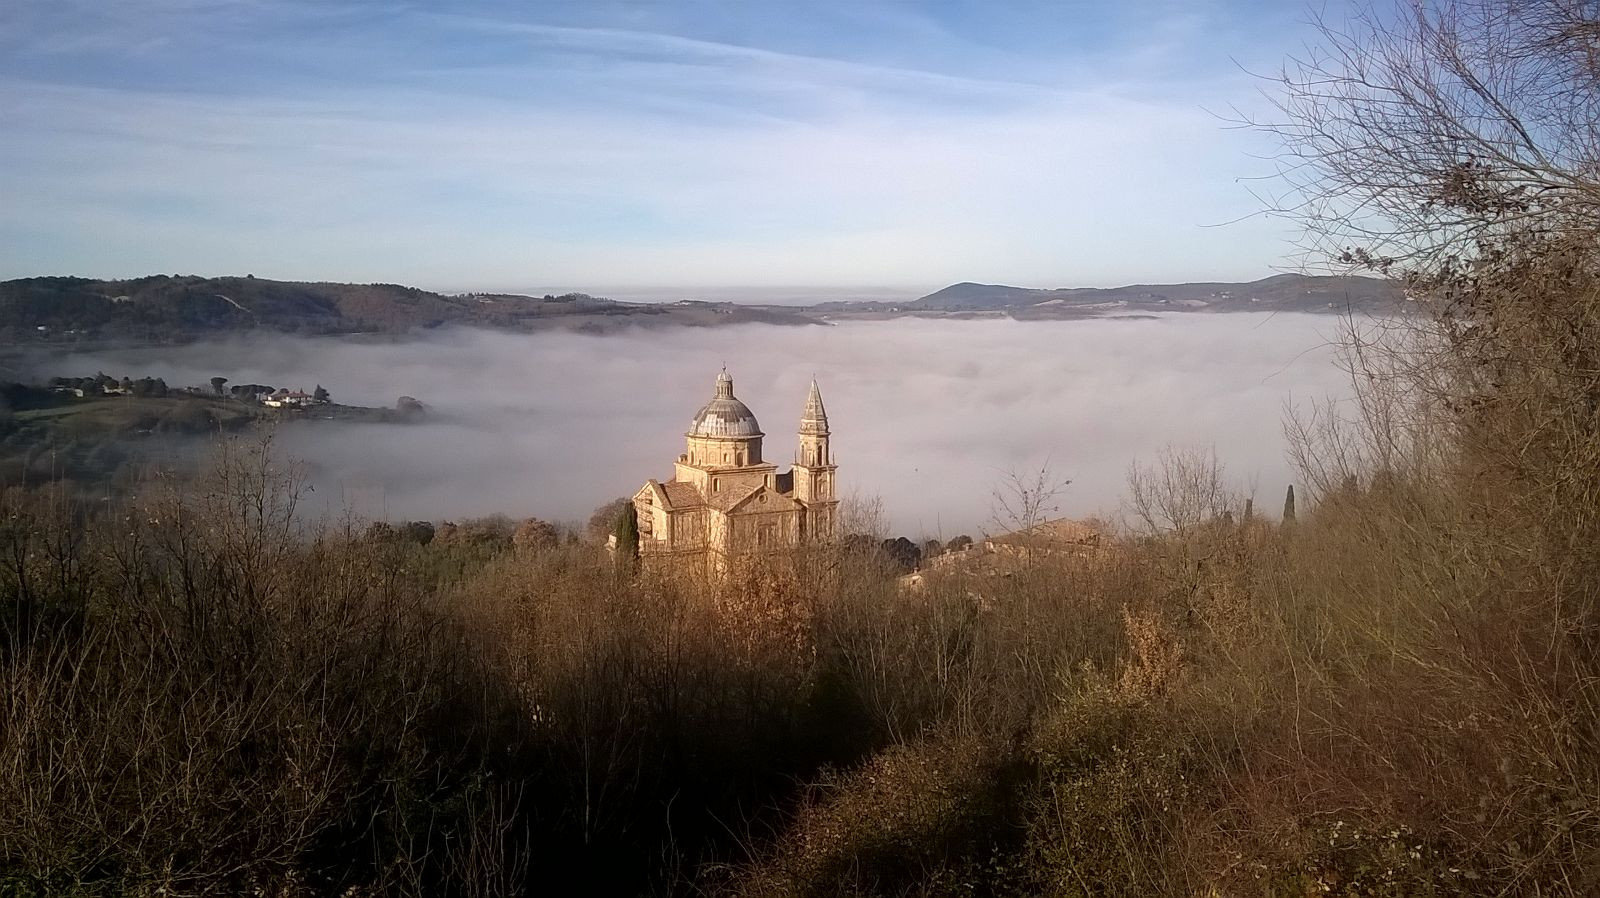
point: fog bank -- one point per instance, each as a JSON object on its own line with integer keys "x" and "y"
{"x": 925, "y": 414}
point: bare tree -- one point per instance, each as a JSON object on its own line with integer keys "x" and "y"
{"x": 1417, "y": 130}
{"x": 1022, "y": 501}
{"x": 1182, "y": 488}
{"x": 862, "y": 514}
{"x": 1399, "y": 424}
{"x": 1456, "y": 144}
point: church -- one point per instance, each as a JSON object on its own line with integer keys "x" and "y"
{"x": 724, "y": 499}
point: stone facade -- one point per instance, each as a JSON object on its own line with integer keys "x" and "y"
{"x": 724, "y": 500}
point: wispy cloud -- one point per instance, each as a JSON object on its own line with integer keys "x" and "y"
{"x": 622, "y": 47}
{"x": 624, "y": 145}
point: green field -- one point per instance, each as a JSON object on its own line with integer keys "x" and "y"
{"x": 97, "y": 442}
{"x": 125, "y": 415}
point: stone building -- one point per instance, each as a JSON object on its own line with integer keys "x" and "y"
{"x": 725, "y": 499}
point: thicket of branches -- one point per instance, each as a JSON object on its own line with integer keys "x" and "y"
{"x": 204, "y": 695}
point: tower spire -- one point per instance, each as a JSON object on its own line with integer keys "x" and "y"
{"x": 814, "y": 419}
{"x": 814, "y": 468}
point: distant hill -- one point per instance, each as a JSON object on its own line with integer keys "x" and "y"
{"x": 151, "y": 306}
{"x": 967, "y": 295}
{"x": 1283, "y": 292}
{"x": 162, "y": 308}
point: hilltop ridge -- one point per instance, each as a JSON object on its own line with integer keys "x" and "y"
{"x": 161, "y": 308}
{"x": 166, "y": 308}
{"x": 1279, "y": 292}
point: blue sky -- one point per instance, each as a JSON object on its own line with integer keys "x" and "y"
{"x": 619, "y": 146}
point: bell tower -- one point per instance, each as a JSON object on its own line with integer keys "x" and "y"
{"x": 814, "y": 469}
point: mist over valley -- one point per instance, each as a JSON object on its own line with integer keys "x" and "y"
{"x": 928, "y": 415}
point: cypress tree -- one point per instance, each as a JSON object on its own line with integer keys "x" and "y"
{"x": 1288, "y": 506}
{"x": 627, "y": 533}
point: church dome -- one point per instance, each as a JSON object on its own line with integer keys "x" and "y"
{"x": 724, "y": 415}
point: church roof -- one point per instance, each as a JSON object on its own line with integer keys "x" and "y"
{"x": 728, "y": 498}
{"x": 724, "y": 415}
{"x": 681, "y": 495}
